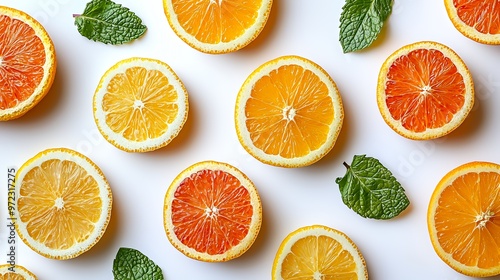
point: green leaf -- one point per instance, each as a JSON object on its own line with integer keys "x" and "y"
{"x": 371, "y": 190}
{"x": 110, "y": 23}
{"x": 131, "y": 264}
{"x": 361, "y": 22}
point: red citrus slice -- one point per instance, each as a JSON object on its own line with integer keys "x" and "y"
{"x": 212, "y": 212}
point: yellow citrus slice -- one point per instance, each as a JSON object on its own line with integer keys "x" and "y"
{"x": 478, "y": 20}
{"x": 16, "y": 272}
{"x": 424, "y": 90}
{"x": 140, "y": 105}
{"x": 63, "y": 203}
{"x": 27, "y": 63}
{"x": 217, "y": 26}
{"x": 212, "y": 212}
{"x": 288, "y": 112}
{"x": 318, "y": 252}
{"x": 463, "y": 219}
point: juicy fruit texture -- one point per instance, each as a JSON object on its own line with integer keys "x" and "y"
{"x": 424, "y": 91}
{"x": 20, "y": 273}
{"x": 464, "y": 219}
{"x": 318, "y": 252}
{"x": 217, "y": 26}
{"x": 27, "y": 63}
{"x": 212, "y": 212}
{"x": 288, "y": 112}
{"x": 140, "y": 105}
{"x": 478, "y": 20}
{"x": 63, "y": 203}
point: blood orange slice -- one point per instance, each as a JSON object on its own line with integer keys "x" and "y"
{"x": 478, "y": 20}
{"x": 27, "y": 63}
{"x": 212, "y": 212}
{"x": 424, "y": 91}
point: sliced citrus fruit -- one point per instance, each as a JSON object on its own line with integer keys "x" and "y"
{"x": 463, "y": 219}
{"x": 27, "y": 63}
{"x": 212, "y": 212}
{"x": 318, "y": 252}
{"x": 140, "y": 105}
{"x": 63, "y": 203}
{"x": 478, "y": 20}
{"x": 217, "y": 26}
{"x": 16, "y": 272}
{"x": 424, "y": 90}
{"x": 288, "y": 112}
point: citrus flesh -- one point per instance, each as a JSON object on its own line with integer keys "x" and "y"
{"x": 140, "y": 105}
{"x": 464, "y": 219}
{"x": 288, "y": 112}
{"x": 27, "y": 63}
{"x": 18, "y": 273}
{"x": 63, "y": 203}
{"x": 318, "y": 252}
{"x": 212, "y": 212}
{"x": 424, "y": 91}
{"x": 217, "y": 26}
{"x": 478, "y": 20}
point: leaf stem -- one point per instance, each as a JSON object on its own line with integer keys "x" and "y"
{"x": 76, "y": 15}
{"x": 346, "y": 165}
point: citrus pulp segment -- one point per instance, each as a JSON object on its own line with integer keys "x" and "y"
{"x": 212, "y": 212}
{"x": 424, "y": 90}
{"x": 318, "y": 252}
{"x": 217, "y": 26}
{"x": 27, "y": 63}
{"x": 140, "y": 105}
{"x": 478, "y": 20}
{"x": 63, "y": 203}
{"x": 288, "y": 112}
{"x": 16, "y": 272}
{"x": 463, "y": 219}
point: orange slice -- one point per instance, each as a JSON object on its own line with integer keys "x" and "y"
{"x": 288, "y": 112}
{"x": 463, "y": 219}
{"x": 478, "y": 20}
{"x": 217, "y": 26}
{"x": 140, "y": 105}
{"x": 27, "y": 63}
{"x": 424, "y": 90}
{"x": 318, "y": 252}
{"x": 212, "y": 212}
{"x": 63, "y": 203}
{"x": 16, "y": 272}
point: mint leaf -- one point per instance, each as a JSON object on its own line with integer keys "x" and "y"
{"x": 361, "y": 22}
{"x": 109, "y": 23}
{"x": 131, "y": 264}
{"x": 371, "y": 190}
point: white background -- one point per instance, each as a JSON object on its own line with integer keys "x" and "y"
{"x": 395, "y": 249}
